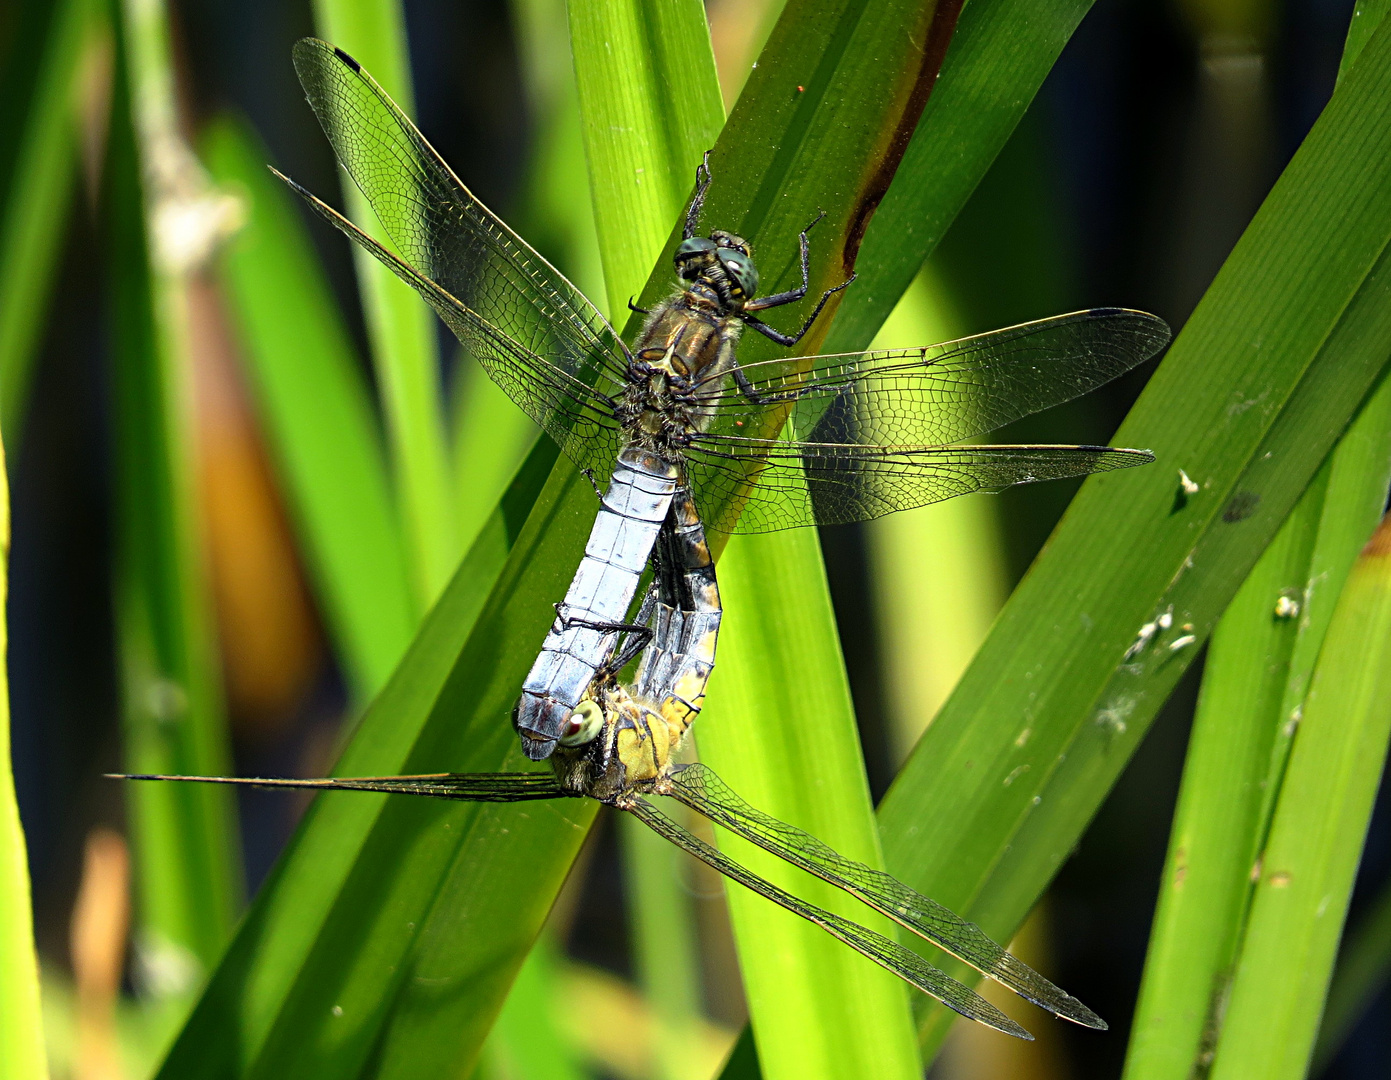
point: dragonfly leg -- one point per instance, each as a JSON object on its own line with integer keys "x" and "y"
{"x": 568, "y": 622}
{"x": 640, "y": 310}
{"x": 746, "y": 388}
{"x": 635, "y": 641}
{"x": 588, "y": 474}
{"x": 792, "y": 295}
{"x": 698, "y": 199}
{"x": 792, "y": 339}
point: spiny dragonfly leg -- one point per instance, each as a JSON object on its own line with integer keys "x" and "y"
{"x": 791, "y": 339}
{"x": 792, "y": 295}
{"x": 588, "y": 474}
{"x": 640, "y": 310}
{"x": 569, "y": 622}
{"x": 698, "y": 199}
{"x": 746, "y": 388}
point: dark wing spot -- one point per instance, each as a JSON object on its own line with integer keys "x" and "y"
{"x": 347, "y": 59}
{"x": 1242, "y": 505}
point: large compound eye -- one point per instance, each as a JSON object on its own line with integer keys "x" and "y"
{"x": 691, "y": 255}
{"x": 741, "y": 271}
{"x": 583, "y": 724}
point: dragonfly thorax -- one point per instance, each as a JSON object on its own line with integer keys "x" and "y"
{"x": 687, "y": 342}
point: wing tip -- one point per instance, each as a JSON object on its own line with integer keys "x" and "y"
{"x": 307, "y": 45}
{"x": 1160, "y": 330}
{"x": 348, "y": 60}
{"x": 1124, "y": 457}
{"x": 1069, "y": 1008}
{"x": 1009, "y": 1027}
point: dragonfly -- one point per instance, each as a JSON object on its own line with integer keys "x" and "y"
{"x": 792, "y": 442}
{"x": 763, "y": 446}
{"x": 632, "y": 755}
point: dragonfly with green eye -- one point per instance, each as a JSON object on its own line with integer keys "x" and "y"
{"x": 632, "y": 755}
{"x": 760, "y": 447}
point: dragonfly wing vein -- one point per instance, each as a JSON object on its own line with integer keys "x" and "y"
{"x": 889, "y": 954}
{"x": 952, "y": 391}
{"x": 752, "y": 485}
{"x": 703, "y": 791}
{"x": 467, "y": 787}
{"x": 578, "y": 417}
{"x": 511, "y": 309}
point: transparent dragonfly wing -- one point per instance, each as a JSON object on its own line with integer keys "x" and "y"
{"x": 534, "y": 333}
{"x": 700, "y": 789}
{"x": 864, "y": 434}
{"x": 467, "y": 787}
{"x": 889, "y": 954}
{"x": 767, "y": 485}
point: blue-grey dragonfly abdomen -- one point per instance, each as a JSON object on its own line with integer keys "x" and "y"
{"x": 588, "y": 623}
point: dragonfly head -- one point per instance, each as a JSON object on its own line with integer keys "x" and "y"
{"x": 723, "y": 260}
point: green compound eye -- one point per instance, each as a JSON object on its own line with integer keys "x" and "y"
{"x": 741, "y": 271}
{"x": 583, "y": 725}
{"x": 692, "y": 256}
{"x": 696, "y": 245}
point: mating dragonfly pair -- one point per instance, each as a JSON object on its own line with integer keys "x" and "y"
{"x": 686, "y": 438}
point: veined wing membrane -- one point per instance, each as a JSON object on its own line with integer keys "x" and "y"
{"x": 940, "y": 394}
{"x": 868, "y": 433}
{"x": 514, "y": 312}
{"x": 579, "y": 418}
{"x": 763, "y": 485}
{"x": 467, "y": 787}
{"x": 526, "y": 787}
{"x": 704, "y": 792}
{"x": 904, "y": 963}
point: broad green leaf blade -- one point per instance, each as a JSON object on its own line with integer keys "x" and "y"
{"x": 780, "y": 729}
{"x": 865, "y": 70}
{"x": 649, "y": 107}
{"x": 1316, "y": 839}
{"x": 528, "y": 1038}
{"x": 525, "y": 1043}
{"x": 185, "y": 841}
{"x": 663, "y": 939}
{"x": 402, "y": 330}
{"x": 1254, "y": 686}
{"x": 317, "y": 416}
{"x": 811, "y": 970}
{"x": 999, "y": 56}
{"x": 1265, "y": 376}
{"x": 491, "y": 439}
{"x": 22, "y": 1048}
{"x": 32, "y": 217}
{"x": 1217, "y": 831}
{"x": 900, "y": 74}
{"x": 1366, "y": 17}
